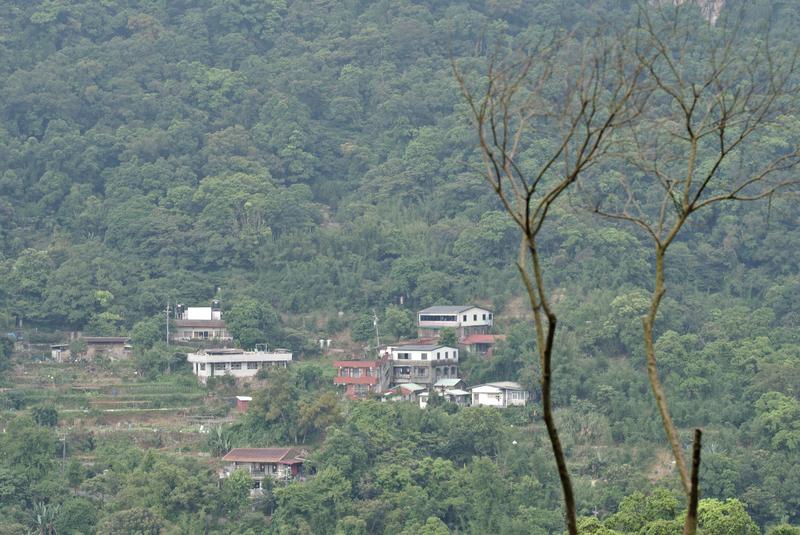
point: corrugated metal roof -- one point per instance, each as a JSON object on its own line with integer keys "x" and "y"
{"x": 450, "y": 381}
{"x": 411, "y": 386}
{"x": 446, "y": 309}
{"x": 262, "y": 455}
{"x": 419, "y": 347}
{"x": 510, "y": 385}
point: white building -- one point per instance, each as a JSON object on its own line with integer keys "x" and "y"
{"x": 465, "y": 320}
{"x": 500, "y": 394}
{"x": 236, "y": 362}
{"x": 199, "y": 323}
{"x": 422, "y": 363}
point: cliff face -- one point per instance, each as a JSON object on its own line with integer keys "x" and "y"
{"x": 710, "y": 8}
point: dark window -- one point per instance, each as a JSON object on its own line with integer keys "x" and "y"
{"x": 438, "y": 317}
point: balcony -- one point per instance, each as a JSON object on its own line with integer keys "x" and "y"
{"x": 363, "y": 380}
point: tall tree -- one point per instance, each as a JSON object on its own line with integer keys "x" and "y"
{"x": 540, "y": 124}
{"x": 715, "y": 96}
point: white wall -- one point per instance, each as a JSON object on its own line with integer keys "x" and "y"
{"x": 452, "y": 354}
{"x": 198, "y": 313}
{"x": 226, "y": 362}
{"x": 474, "y": 317}
{"x": 489, "y": 399}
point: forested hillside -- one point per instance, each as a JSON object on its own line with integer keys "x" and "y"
{"x": 315, "y": 156}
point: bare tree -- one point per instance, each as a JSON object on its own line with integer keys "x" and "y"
{"x": 544, "y": 116}
{"x": 713, "y": 95}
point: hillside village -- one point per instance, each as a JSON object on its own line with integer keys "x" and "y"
{"x": 399, "y": 267}
{"x": 418, "y": 371}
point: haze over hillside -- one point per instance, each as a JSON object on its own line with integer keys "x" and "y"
{"x": 310, "y": 163}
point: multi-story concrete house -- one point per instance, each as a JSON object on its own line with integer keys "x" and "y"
{"x": 362, "y": 377}
{"x": 423, "y": 364}
{"x": 199, "y": 323}
{"x": 283, "y": 464}
{"x": 236, "y": 362}
{"x": 464, "y": 320}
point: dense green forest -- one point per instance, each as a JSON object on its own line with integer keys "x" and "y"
{"x": 310, "y": 157}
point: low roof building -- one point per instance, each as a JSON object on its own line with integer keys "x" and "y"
{"x": 499, "y": 394}
{"x": 261, "y": 463}
{"x": 236, "y": 362}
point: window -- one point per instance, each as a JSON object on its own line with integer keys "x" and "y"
{"x": 424, "y": 356}
{"x": 465, "y": 317}
{"x": 437, "y": 317}
{"x": 219, "y": 366}
{"x": 474, "y": 317}
{"x": 252, "y": 365}
{"x": 420, "y": 371}
{"x": 484, "y": 316}
{"x": 404, "y": 356}
{"x": 490, "y": 315}
{"x": 236, "y": 365}
{"x": 356, "y": 372}
{"x": 202, "y": 366}
{"x": 403, "y": 370}
{"x": 438, "y": 355}
{"x": 446, "y": 354}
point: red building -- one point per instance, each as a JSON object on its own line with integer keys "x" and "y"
{"x": 243, "y": 403}
{"x": 360, "y": 377}
{"x": 480, "y": 344}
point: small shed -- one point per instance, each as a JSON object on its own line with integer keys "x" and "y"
{"x": 60, "y": 352}
{"x": 242, "y": 403}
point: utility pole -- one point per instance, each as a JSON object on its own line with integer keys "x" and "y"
{"x": 377, "y": 336}
{"x": 167, "y": 314}
{"x": 63, "y": 450}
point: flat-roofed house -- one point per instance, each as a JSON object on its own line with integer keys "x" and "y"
{"x": 464, "y": 319}
{"x": 362, "y": 377}
{"x": 283, "y": 464}
{"x": 236, "y": 362}
{"x": 199, "y": 323}
{"x": 499, "y": 394}
{"x": 423, "y": 364}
